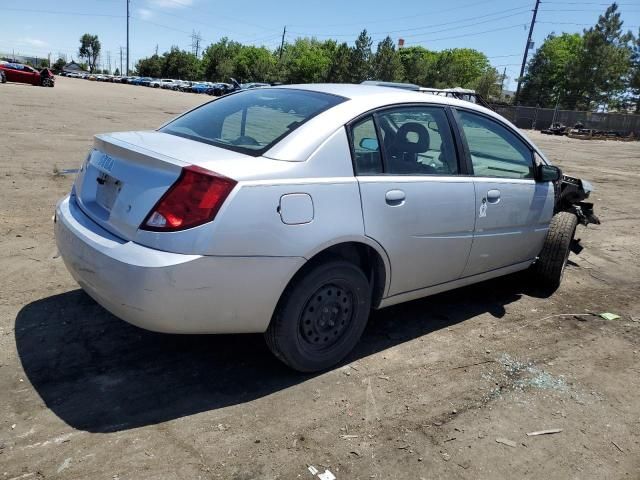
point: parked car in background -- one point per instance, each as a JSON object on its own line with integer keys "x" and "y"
{"x": 254, "y": 85}
{"x": 141, "y": 81}
{"x": 184, "y": 86}
{"x": 19, "y": 73}
{"x": 146, "y": 81}
{"x": 159, "y": 82}
{"x": 200, "y": 87}
{"x": 172, "y": 85}
{"x": 286, "y": 210}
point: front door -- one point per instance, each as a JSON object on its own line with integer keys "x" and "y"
{"x": 512, "y": 209}
{"x": 415, "y": 203}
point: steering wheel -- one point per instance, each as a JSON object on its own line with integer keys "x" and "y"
{"x": 245, "y": 140}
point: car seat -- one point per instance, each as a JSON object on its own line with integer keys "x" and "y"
{"x": 403, "y": 152}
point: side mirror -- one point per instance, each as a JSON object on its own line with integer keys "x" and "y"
{"x": 548, "y": 173}
{"x": 369, "y": 144}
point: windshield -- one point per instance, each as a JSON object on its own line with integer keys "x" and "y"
{"x": 251, "y": 121}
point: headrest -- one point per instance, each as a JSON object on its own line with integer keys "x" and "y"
{"x": 402, "y": 143}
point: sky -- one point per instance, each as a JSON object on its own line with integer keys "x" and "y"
{"x": 498, "y": 28}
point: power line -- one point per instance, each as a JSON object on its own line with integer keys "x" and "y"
{"x": 466, "y": 26}
{"x": 52, "y": 12}
{"x": 236, "y": 20}
{"x": 582, "y": 24}
{"x": 428, "y": 27}
{"x": 416, "y": 41}
{"x": 430, "y": 14}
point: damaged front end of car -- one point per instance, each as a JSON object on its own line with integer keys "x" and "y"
{"x": 571, "y": 194}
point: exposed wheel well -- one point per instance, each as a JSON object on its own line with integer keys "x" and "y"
{"x": 362, "y": 255}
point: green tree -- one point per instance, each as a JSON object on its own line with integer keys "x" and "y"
{"x": 304, "y": 61}
{"x": 254, "y": 64}
{"x": 117, "y": 72}
{"x": 488, "y": 84}
{"x": 89, "y": 49}
{"x": 387, "y": 65}
{"x": 419, "y": 65}
{"x": 634, "y": 76}
{"x": 459, "y": 67}
{"x": 361, "y": 58}
{"x": 218, "y": 59}
{"x": 547, "y": 81}
{"x": 179, "y": 64}
{"x": 150, "y": 67}
{"x": 340, "y": 67}
{"x": 602, "y": 69}
{"x": 58, "y": 65}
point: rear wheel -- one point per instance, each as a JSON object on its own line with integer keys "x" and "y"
{"x": 551, "y": 263}
{"x": 320, "y": 317}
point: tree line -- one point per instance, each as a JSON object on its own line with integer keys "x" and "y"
{"x": 596, "y": 70}
{"x": 308, "y": 60}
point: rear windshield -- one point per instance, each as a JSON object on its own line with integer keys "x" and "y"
{"x": 251, "y": 121}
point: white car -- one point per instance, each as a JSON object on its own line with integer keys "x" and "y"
{"x": 160, "y": 82}
{"x": 295, "y": 210}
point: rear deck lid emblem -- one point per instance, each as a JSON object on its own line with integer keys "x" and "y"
{"x": 105, "y": 163}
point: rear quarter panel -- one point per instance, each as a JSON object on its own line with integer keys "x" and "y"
{"x": 250, "y": 224}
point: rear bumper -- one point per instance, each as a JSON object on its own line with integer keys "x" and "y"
{"x": 169, "y": 292}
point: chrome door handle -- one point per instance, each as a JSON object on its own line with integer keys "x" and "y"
{"x": 395, "y": 197}
{"x": 493, "y": 196}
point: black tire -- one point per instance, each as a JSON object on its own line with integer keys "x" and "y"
{"x": 549, "y": 268}
{"x": 320, "y": 316}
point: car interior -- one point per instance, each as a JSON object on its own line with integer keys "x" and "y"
{"x": 412, "y": 141}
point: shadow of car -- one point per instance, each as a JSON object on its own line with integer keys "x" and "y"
{"x": 100, "y": 374}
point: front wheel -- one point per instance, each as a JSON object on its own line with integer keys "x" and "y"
{"x": 320, "y": 317}
{"x": 549, "y": 268}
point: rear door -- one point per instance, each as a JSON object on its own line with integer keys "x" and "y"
{"x": 512, "y": 209}
{"x": 415, "y": 202}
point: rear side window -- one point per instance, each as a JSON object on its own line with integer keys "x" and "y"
{"x": 366, "y": 149}
{"x": 251, "y": 121}
{"x": 495, "y": 151}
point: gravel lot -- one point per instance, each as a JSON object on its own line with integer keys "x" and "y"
{"x": 445, "y": 387}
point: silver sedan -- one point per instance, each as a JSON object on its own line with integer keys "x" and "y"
{"x": 294, "y": 211}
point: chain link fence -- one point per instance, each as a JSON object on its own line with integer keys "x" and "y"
{"x": 541, "y": 118}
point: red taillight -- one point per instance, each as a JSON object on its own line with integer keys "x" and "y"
{"x": 192, "y": 200}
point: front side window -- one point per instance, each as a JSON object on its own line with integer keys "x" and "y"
{"x": 417, "y": 141}
{"x": 495, "y": 151}
{"x": 251, "y": 121}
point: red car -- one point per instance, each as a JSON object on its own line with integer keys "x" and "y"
{"x": 16, "y": 72}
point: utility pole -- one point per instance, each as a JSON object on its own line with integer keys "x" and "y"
{"x": 128, "y": 1}
{"x": 196, "y": 38}
{"x": 504, "y": 75}
{"x": 109, "y": 60}
{"x": 284, "y": 32}
{"x": 156, "y": 49}
{"x": 526, "y": 51}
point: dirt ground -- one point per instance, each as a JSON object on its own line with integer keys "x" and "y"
{"x": 444, "y": 387}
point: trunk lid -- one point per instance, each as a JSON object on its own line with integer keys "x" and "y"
{"x": 126, "y": 174}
